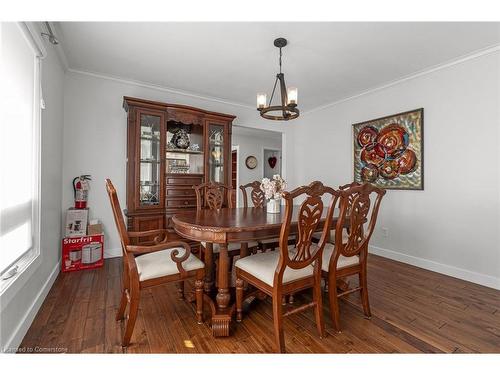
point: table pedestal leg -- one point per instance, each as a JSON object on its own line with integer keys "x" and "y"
{"x": 222, "y": 317}
{"x": 209, "y": 267}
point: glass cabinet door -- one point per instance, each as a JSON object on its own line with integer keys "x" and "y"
{"x": 150, "y": 126}
{"x": 216, "y": 144}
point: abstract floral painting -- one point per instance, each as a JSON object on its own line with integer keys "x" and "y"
{"x": 388, "y": 152}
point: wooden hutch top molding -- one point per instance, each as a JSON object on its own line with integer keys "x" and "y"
{"x": 150, "y": 104}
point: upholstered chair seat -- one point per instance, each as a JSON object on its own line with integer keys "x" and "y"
{"x": 160, "y": 263}
{"x": 263, "y": 265}
{"x": 230, "y": 246}
{"x": 342, "y": 261}
{"x": 317, "y": 236}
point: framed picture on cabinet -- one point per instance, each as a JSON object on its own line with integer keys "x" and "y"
{"x": 388, "y": 151}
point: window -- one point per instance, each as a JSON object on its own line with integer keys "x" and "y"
{"x": 19, "y": 150}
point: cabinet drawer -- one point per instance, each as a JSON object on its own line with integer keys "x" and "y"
{"x": 184, "y": 180}
{"x": 145, "y": 223}
{"x": 174, "y": 192}
{"x": 181, "y": 202}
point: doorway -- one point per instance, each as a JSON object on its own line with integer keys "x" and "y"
{"x": 251, "y": 142}
{"x": 272, "y": 162}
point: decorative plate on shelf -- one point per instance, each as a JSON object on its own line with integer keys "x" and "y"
{"x": 181, "y": 139}
{"x": 251, "y": 162}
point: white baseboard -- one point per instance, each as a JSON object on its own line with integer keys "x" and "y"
{"x": 460, "y": 273}
{"x": 25, "y": 322}
{"x": 112, "y": 253}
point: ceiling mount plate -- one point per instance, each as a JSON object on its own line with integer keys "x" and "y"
{"x": 280, "y": 42}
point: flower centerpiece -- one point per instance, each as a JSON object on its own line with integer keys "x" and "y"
{"x": 273, "y": 191}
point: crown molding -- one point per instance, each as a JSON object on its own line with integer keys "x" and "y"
{"x": 459, "y": 60}
{"x": 462, "y": 59}
{"x": 159, "y": 87}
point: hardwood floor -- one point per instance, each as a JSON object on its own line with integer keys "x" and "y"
{"x": 414, "y": 311}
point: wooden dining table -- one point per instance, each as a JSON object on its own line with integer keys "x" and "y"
{"x": 225, "y": 226}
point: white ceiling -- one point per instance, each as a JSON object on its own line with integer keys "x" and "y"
{"x": 234, "y": 61}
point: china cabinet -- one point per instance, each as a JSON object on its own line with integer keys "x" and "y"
{"x": 170, "y": 148}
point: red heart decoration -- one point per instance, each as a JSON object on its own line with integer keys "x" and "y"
{"x": 272, "y": 161}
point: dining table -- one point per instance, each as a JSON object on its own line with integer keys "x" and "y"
{"x": 232, "y": 225}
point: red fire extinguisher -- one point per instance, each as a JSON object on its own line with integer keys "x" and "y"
{"x": 81, "y": 190}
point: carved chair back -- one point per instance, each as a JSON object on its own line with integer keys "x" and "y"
{"x": 256, "y": 194}
{"x": 359, "y": 206}
{"x": 118, "y": 216}
{"x": 213, "y": 195}
{"x": 351, "y": 197}
{"x": 309, "y": 215}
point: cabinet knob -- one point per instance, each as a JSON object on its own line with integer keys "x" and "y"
{"x": 186, "y": 202}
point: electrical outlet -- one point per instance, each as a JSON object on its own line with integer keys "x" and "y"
{"x": 385, "y": 232}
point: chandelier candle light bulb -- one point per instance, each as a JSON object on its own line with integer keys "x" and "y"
{"x": 261, "y": 100}
{"x": 292, "y": 94}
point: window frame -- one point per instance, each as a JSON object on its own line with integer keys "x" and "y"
{"x": 32, "y": 258}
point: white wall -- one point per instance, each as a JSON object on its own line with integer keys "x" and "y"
{"x": 253, "y": 142}
{"x": 19, "y": 310}
{"x": 268, "y": 171}
{"x": 453, "y": 225}
{"x": 95, "y": 137}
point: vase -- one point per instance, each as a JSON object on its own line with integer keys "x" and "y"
{"x": 273, "y": 206}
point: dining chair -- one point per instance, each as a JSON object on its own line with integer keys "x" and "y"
{"x": 258, "y": 199}
{"x": 146, "y": 266}
{"x": 256, "y": 194}
{"x": 214, "y": 196}
{"x": 359, "y": 206}
{"x": 317, "y": 235}
{"x": 292, "y": 268}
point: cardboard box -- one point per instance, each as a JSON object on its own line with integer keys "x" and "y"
{"x": 76, "y": 222}
{"x": 80, "y": 253}
{"x": 94, "y": 229}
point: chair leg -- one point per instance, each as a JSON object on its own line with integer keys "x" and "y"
{"x": 180, "y": 289}
{"x": 244, "y": 250}
{"x": 278, "y": 324}
{"x": 334, "y": 301}
{"x": 239, "y": 299}
{"x": 198, "y": 284}
{"x": 132, "y": 316}
{"x": 318, "y": 308}
{"x": 364, "y": 293}
{"x": 120, "y": 314}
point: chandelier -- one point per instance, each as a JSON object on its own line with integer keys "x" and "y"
{"x": 287, "y": 110}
